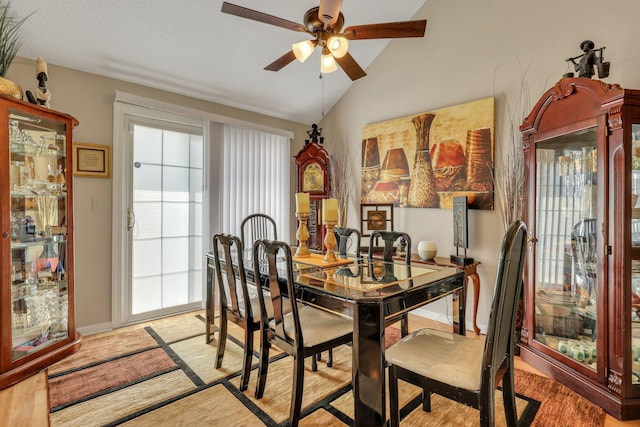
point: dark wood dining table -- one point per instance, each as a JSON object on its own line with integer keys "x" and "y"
{"x": 372, "y": 294}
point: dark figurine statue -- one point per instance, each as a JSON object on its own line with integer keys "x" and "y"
{"x": 43, "y": 95}
{"x": 314, "y": 134}
{"x": 589, "y": 61}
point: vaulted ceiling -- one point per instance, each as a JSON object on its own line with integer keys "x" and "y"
{"x": 191, "y": 48}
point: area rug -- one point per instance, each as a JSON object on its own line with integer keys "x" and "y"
{"x": 164, "y": 374}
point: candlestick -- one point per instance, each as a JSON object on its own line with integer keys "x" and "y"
{"x": 302, "y": 203}
{"x": 330, "y": 241}
{"x": 330, "y": 211}
{"x": 302, "y": 234}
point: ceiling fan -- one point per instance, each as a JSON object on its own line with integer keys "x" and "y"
{"x": 324, "y": 23}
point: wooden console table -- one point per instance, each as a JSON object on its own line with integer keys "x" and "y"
{"x": 470, "y": 275}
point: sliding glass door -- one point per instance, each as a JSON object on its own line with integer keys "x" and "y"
{"x": 164, "y": 219}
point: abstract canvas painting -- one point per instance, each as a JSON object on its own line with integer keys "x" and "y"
{"x": 425, "y": 160}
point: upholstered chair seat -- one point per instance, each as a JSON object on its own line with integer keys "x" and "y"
{"x": 255, "y": 304}
{"x": 318, "y": 325}
{"x": 440, "y": 355}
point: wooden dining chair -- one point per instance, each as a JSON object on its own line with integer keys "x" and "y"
{"x": 304, "y": 332}
{"x": 237, "y": 304}
{"x": 347, "y": 238}
{"x": 390, "y": 238}
{"x": 467, "y": 370}
{"x": 257, "y": 226}
{"x": 239, "y": 301}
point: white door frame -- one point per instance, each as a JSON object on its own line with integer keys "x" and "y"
{"x": 126, "y": 108}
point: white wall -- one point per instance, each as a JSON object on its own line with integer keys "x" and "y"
{"x": 472, "y": 50}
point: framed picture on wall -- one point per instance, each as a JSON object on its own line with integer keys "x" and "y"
{"x": 375, "y": 217}
{"x": 91, "y": 160}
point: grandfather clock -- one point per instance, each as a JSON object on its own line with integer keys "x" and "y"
{"x": 314, "y": 178}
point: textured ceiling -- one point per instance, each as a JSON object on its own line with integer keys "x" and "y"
{"x": 191, "y": 48}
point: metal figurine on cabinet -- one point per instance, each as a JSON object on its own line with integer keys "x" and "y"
{"x": 588, "y": 60}
{"x": 315, "y": 135}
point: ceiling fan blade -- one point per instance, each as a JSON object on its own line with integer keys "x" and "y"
{"x": 388, "y": 30}
{"x": 244, "y": 12}
{"x": 281, "y": 62}
{"x": 350, "y": 67}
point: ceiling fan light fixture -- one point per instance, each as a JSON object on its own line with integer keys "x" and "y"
{"x": 327, "y": 63}
{"x": 329, "y": 11}
{"x": 338, "y": 45}
{"x": 302, "y": 50}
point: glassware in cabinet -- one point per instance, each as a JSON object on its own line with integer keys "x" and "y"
{"x": 566, "y": 258}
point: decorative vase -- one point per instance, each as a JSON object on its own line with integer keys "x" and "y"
{"x": 427, "y": 250}
{"x": 479, "y": 164}
{"x": 422, "y": 192}
{"x": 7, "y": 87}
{"x": 370, "y": 166}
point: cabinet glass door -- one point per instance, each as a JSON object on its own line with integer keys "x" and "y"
{"x": 635, "y": 252}
{"x": 566, "y": 231}
{"x": 39, "y": 295}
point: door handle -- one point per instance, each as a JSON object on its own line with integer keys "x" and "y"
{"x": 131, "y": 219}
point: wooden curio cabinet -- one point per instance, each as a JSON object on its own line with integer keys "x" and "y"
{"x": 312, "y": 163}
{"x": 582, "y": 282}
{"x": 37, "y": 325}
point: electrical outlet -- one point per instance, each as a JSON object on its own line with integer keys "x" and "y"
{"x": 96, "y": 205}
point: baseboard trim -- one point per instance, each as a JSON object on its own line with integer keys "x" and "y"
{"x": 444, "y": 318}
{"x": 95, "y": 329}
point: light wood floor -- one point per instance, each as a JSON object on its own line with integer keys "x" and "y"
{"x": 26, "y": 403}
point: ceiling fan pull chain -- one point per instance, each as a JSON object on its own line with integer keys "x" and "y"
{"x": 322, "y": 94}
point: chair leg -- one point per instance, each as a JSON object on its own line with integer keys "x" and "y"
{"x": 296, "y": 392}
{"x": 222, "y": 338}
{"x": 487, "y": 407}
{"x": 404, "y": 325}
{"x": 314, "y": 362}
{"x": 330, "y": 358}
{"x": 394, "y": 406}
{"x": 263, "y": 365}
{"x": 426, "y": 400}
{"x": 246, "y": 360}
{"x": 509, "y": 398}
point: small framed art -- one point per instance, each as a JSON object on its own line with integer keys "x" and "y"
{"x": 375, "y": 217}
{"x": 91, "y": 160}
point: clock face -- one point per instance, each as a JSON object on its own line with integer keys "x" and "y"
{"x": 313, "y": 178}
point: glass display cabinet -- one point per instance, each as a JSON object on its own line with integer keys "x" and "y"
{"x": 582, "y": 282}
{"x": 37, "y": 326}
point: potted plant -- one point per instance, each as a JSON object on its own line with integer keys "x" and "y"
{"x": 10, "y": 43}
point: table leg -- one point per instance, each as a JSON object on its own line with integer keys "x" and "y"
{"x": 459, "y": 302}
{"x": 475, "y": 279}
{"x": 369, "y": 365}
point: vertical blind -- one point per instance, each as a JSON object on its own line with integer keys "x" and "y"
{"x": 255, "y": 178}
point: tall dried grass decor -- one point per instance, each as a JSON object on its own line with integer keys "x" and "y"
{"x": 510, "y": 183}
{"x": 342, "y": 178}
